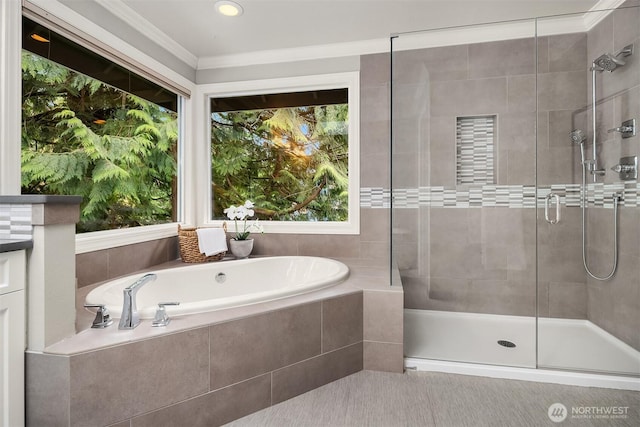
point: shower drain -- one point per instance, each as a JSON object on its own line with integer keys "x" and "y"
{"x": 506, "y": 343}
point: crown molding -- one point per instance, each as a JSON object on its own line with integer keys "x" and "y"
{"x": 306, "y": 53}
{"x": 415, "y": 40}
{"x": 598, "y": 12}
{"x": 119, "y": 9}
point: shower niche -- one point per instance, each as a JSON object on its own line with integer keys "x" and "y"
{"x": 475, "y": 150}
{"x": 487, "y": 268}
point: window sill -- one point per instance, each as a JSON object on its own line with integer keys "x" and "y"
{"x": 292, "y": 227}
{"x": 101, "y": 240}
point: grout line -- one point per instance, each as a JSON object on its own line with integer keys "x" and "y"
{"x": 322, "y": 327}
{"x": 383, "y": 342}
{"x": 318, "y": 355}
{"x": 234, "y": 384}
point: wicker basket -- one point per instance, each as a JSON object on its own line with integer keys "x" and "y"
{"x": 189, "y": 249}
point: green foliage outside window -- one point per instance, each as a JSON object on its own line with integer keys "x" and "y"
{"x": 83, "y": 137}
{"x": 291, "y": 162}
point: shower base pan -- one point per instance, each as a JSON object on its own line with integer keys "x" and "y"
{"x": 574, "y": 352}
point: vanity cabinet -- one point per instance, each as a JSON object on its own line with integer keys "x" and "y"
{"x": 12, "y": 337}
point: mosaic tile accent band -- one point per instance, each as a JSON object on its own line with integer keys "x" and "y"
{"x": 15, "y": 222}
{"x": 375, "y": 197}
{"x": 509, "y": 196}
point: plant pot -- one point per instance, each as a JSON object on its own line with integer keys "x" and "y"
{"x": 241, "y": 248}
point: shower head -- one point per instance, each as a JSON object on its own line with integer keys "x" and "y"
{"x": 578, "y": 136}
{"x": 609, "y": 62}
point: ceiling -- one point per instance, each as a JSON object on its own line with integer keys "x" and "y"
{"x": 193, "y": 30}
{"x": 277, "y": 24}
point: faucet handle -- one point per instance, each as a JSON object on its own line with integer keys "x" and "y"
{"x": 162, "y": 318}
{"x": 627, "y": 129}
{"x": 103, "y": 317}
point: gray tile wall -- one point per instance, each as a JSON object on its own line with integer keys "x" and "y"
{"x": 383, "y": 330}
{"x": 483, "y": 260}
{"x": 614, "y": 305}
{"x": 97, "y": 266}
{"x": 202, "y": 377}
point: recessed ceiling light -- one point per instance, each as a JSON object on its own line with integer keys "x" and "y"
{"x": 228, "y": 8}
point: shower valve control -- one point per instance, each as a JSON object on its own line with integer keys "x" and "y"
{"x": 627, "y": 168}
{"x": 627, "y": 129}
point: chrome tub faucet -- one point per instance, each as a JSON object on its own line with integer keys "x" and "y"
{"x": 129, "y": 318}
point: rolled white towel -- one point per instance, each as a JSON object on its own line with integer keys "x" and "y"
{"x": 212, "y": 241}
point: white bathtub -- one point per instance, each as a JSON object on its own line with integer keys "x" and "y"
{"x": 199, "y": 287}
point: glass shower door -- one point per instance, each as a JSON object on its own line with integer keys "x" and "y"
{"x": 588, "y": 223}
{"x": 463, "y": 185}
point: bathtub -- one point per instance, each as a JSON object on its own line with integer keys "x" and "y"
{"x": 211, "y": 286}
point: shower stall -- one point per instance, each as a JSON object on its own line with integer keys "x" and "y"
{"x": 514, "y": 194}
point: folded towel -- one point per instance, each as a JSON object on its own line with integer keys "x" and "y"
{"x": 212, "y": 241}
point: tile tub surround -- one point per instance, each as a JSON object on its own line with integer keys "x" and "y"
{"x": 98, "y": 266}
{"x": 206, "y": 375}
{"x": 260, "y": 354}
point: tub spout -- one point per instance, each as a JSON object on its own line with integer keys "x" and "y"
{"x": 130, "y": 318}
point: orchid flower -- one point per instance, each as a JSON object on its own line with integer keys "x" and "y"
{"x": 242, "y": 213}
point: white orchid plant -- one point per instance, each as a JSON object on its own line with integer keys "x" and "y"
{"x": 242, "y": 213}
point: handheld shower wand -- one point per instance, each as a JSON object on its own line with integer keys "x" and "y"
{"x": 611, "y": 61}
{"x": 579, "y": 137}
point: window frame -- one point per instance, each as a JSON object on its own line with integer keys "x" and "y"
{"x": 82, "y": 27}
{"x": 348, "y": 80}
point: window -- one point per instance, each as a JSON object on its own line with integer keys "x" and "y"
{"x": 93, "y": 128}
{"x": 291, "y": 152}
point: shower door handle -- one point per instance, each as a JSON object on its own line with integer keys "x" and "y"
{"x": 547, "y": 203}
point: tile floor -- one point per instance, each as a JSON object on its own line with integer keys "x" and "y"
{"x": 424, "y": 399}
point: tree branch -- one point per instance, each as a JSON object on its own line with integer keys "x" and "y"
{"x": 314, "y": 195}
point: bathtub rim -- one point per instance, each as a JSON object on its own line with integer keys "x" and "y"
{"x": 199, "y": 307}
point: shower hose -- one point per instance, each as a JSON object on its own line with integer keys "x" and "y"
{"x": 616, "y": 198}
